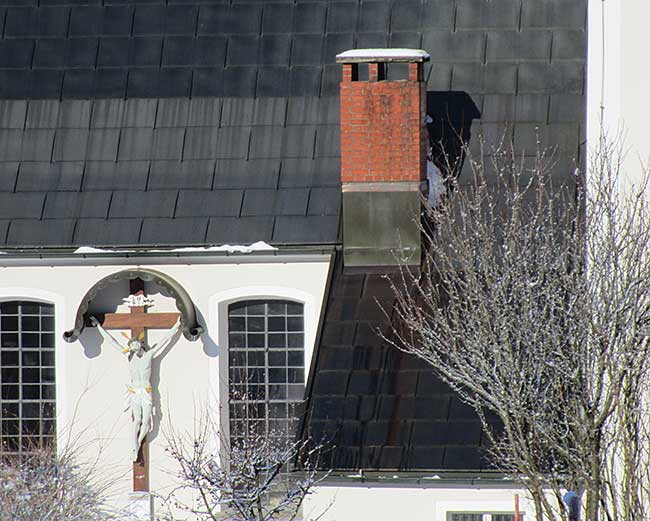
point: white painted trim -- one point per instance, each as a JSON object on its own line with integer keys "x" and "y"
{"x": 63, "y": 421}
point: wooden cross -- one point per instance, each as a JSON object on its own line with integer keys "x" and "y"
{"x": 138, "y": 321}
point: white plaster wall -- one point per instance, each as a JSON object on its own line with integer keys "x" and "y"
{"x": 413, "y": 503}
{"x": 618, "y": 78}
{"x": 91, "y": 378}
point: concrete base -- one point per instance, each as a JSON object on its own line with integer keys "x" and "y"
{"x": 140, "y": 507}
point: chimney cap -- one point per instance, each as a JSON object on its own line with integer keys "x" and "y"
{"x": 383, "y": 56}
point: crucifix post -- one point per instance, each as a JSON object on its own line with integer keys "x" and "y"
{"x": 138, "y": 321}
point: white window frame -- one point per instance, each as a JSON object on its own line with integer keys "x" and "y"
{"x": 218, "y": 329}
{"x": 58, "y": 301}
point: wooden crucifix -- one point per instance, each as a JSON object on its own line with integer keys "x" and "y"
{"x": 140, "y": 356}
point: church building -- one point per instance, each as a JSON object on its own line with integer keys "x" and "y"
{"x": 229, "y": 183}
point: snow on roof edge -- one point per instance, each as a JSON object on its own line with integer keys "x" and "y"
{"x": 382, "y": 55}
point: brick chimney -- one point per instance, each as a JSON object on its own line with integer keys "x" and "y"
{"x": 383, "y": 157}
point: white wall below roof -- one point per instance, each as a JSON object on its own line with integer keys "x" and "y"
{"x": 618, "y": 78}
{"x": 378, "y": 502}
{"x": 91, "y": 379}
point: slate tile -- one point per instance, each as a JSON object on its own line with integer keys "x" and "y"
{"x": 120, "y": 175}
{"x": 462, "y": 458}
{"x": 210, "y": 51}
{"x": 307, "y": 50}
{"x": 181, "y": 174}
{"x": 204, "y": 203}
{"x": 70, "y": 144}
{"x": 135, "y": 144}
{"x": 296, "y": 173}
{"x": 166, "y": 83}
{"x": 168, "y": 19}
{"x": 406, "y": 16}
{"x": 145, "y": 52}
{"x": 236, "y": 19}
{"x": 342, "y": 17}
{"x": 374, "y": 16}
{"x": 204, "y": 112}
{"x": 372, "y": 40}
{"x": 328, "y": 141}
{"x": 560, "y": 137}
{"x": 42, "y": 233}
{"x": 178, "y": 51}
{"x": 569, "y": 45}
{"x": 408, "y": 40}
{"x": 21, "y": 205}
{"x": 74, "y": 114}
{"x": 555, "y": 78}
{"x": 78, "y": 84}
{"x": 532, "y": 107}
{"x": 12, "y": 83}
{"x": 447, "y": 46}
{"x": 16, "y": 54}
{"x": 324, "y": 201}
{"x": 244, "y": 230}
{"x": 555, "y": 13}
{"x": 135, "y": 204}
{"x": 61, "y": 176}
{"x": 429, "y": 433}
{"x": 102, "y": 144}
{"x": 566, "y": 108}
{"x": 81, "y": 53}
{"x": 272, "y": 82}
{"x": 72, "y": 205}
{"x": 243, "y": 50}
{"x": 439, "y": 14}
{"x": 43, "y": 84}
{"x": 492, "y": 78}
{"x": 49, "y": 53}
{"x": 337, "y": 43}
{"x": 8, "y": 172}
{"x": 306, "y": 230}
{"x": 274, "y": 50}
{"x": 107, "y": 232}
{"x": 42, "y": 113}
{"x": 472, "y": 14}
{"x": 24, "y": 22}
{"x": 279, "y": 142}
{"x": 305, "y": 81}
{"x": 172, "y": 112}
{"x": 37, "y": 145}
{"x": 10, "y": 144}
{"x": 110, "y": 83}
{"x": 113, "y": 52}
{"x": 230, "y": 142}
{"x": 239, "y": 81}
{"x": 174, "y": 231}
{"x": 302, "y": 110}
{"x": 207, "y": 82}
{"x": 4, "y": 227}
{"x": 277, "y": 18}
{"x": 200, "y": 143}
{"x": 498, "y": 107}
{"x": 245, "y": 111}
{"x": 115, "y": 113}
{"x": 519, "y": 45}
{"x": 309, "y": 18}
{"x": 425, "y": 457}
{"x": 168, "y": 143}
{"x": 235, "y": 173}
{"x": 95, "y": 20}
{"x": 275, "y": 202}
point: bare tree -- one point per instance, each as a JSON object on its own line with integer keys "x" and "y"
{"x": 43, "y": 486}
{"x": 533, "y": 303}
{"x": 255, "y": 475}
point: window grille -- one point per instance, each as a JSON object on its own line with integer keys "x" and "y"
{"x": 27, "y": 383}
{"x": 266, "y": 368}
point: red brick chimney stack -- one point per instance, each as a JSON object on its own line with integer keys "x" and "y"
{"x": 383, "y": 156}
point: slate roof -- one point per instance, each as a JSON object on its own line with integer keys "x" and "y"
{"x": 184, "y": 122}
{"x": 376, "y": 407}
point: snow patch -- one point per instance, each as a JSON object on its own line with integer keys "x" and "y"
{"x": 437, "y": 187}
{"x": 90, "y": 249}
{"x": 378, "y": 54}
{"x": 235, "y": 248}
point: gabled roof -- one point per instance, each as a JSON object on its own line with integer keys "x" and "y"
{"x": 217, "y": 122}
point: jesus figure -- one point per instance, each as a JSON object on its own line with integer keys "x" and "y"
{"x": 139, "y": 391}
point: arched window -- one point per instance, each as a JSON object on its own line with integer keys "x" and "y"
{"x": 27, "y": 386}
{"x": 266, "y": 367}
